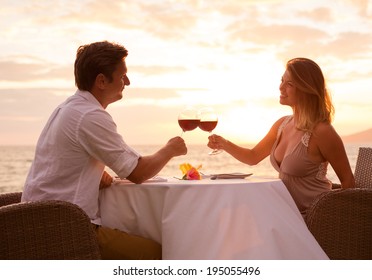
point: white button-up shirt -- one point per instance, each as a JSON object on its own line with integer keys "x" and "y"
{"x": 78, "y": 141}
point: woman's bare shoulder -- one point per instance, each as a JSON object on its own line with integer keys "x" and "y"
{"x": 324, "y": 131}
{"x": 281, "y": 120}
{"x": 323, "y": 128}
{"x": 276, "y": 126}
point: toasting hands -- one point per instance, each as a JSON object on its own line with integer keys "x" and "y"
{"x": 216, "y": 142}
{"x": 177, "y": 146}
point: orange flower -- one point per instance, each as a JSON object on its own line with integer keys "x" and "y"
{"x": 193, "y": 174}
{"x": 189, "y": 172}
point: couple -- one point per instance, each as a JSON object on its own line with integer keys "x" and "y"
{"x": 80, "y": 139}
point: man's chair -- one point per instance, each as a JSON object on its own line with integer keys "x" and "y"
{"x": 10, "y": 198}
{"x": 53, "y": 230}
{"x": 341, "y": 220}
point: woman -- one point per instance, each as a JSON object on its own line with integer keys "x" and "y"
{"x": 300, "y": 146}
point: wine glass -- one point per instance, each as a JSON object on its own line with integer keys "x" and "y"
{"x": 188, "y": 119}
{"x": 208, "y": 122}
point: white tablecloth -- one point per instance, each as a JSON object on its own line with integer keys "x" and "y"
{"x": 212, "y": 219}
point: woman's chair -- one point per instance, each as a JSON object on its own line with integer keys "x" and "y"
{"x": 54, "y": 230}
{"x": 341, "y": 220}
{"x": 363, "y": 168}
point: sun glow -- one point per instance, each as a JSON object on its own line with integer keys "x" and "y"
{"x": 229, "y": 56}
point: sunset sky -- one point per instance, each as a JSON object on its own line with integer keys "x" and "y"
{"x": 229, "y": 55}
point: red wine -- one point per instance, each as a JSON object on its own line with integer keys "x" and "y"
{"x": 207, "y": 125}
{"x": 189, "y": 124}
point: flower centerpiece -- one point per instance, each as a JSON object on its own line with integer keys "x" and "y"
{"x": 189, "y": 172}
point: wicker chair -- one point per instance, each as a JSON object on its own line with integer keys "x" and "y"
{"x": 10, "y": 198}
{"x": 45, "y": 230}
{"x": 363, "y": 168}
{"x": 341, "y": 220}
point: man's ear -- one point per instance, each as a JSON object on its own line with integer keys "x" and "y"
{"x": 100, "y": 81}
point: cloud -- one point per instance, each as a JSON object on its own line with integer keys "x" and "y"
{"x": 320, "y": 31}
{"x": 23, "y": 112}
{"x": 156, "y": 69}
{"x": 157, "y": 18}
{"x": 34, "y": 69}
{"x": 260, "y": 25}
{"x": 185, "y": 45}
{"x": 364, "y": 7}
{"x": 155, "y": 97}
{"x": 29, "y": 101}
{"x": 12, "y": 70}
{"x": 171, "y": 22}
{"x": 119, "y": 14}
{"x": 344, "y": 47}
{"x": 321, "y": 14}
{"x": 274, "y": 34}
{"x": 350, "y": 45}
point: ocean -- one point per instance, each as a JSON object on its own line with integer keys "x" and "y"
{"x": 15, "y": 162}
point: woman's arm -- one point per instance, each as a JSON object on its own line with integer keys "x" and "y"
{"x": 332, "y": 150}
{"x": 245, "y": 155}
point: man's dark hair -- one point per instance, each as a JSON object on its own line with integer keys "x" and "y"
{"x": 96, "y": 58}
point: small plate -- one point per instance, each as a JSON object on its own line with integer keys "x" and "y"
{"x": 151, "y": 180}
{"x": 235, "y": 175}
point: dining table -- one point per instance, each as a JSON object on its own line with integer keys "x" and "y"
{"x": 222, "y": 219}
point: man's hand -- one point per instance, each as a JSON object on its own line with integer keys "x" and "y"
{"x": 176, "y": 146}
{"x": 106, "y": 180}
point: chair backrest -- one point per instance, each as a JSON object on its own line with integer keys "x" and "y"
{"x": 363, "y": 168}
{"x": 341, "y": 222}
{"x": 44, "y": 230}
{"x": 10, "y": 198}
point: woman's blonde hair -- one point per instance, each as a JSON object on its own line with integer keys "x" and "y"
{"x": 314, "y": 101}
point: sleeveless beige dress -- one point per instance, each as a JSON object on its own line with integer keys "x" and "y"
{"x": 303, "y": 178}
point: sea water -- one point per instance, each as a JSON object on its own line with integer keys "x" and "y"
{"x": 15, "y": 162}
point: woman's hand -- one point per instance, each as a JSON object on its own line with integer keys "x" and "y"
{"x": 216, "y": 142}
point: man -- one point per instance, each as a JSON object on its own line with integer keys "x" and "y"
{"x": 81, "y": 138}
